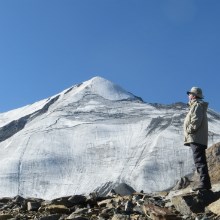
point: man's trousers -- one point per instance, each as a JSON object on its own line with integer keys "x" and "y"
{"x": 199, "y": 157}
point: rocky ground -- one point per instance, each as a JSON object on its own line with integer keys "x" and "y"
{"x": 136, "y": 206}
{"x": 123, "y": 203}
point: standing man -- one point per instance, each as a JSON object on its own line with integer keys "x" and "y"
{"x": 196, "y": 135}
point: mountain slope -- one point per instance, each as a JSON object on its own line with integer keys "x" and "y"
{"x": 91, "y": 136}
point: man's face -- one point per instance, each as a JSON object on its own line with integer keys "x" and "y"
{"x": 191, "y": 96}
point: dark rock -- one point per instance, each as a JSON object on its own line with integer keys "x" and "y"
{"x": 77, "y": 199}
{"x": 50, "y": 217}
{"x": 188, "y": 204}
{"x": 78, "y": 213}
{"x": 55, "y": 209}
{"x": 215, "y": 207}
{"x": 138, "y": 210}
{"x": 156, "y": 212}
{"x": 61, "y": 201}
{"x": 120, "y": 217}
{"x": 207, "y": 197}
{"x": 154, "y": 200}
{"x": 106, "y": 213}
{"x": 5, "y": 216}
{"x": 78, "y": 218}
{"x": 5, "y": 200}
{"x": 213, "y": 161}
{"x": 137, "y": 196}
{"x": 105, "y": 203}
{"x": 33, "y": 206}
{"x": 182, "y": 183}
{"x": 123, "y": 189}
{"x": 112, "y": 193}
{"x": 129, "y": 207}
{"x": 18, "y": 199}
{"x": 141, "y": 206}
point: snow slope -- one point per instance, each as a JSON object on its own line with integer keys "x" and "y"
{"x": 93, "y": 135}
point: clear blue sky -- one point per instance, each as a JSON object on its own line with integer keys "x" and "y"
{"x": 155, "y": 49}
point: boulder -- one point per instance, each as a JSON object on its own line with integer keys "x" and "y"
{"x": 215, "y": 207}
{"x": 124, "y": 189}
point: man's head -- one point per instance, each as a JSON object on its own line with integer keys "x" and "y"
{"x": 195, "y": 92}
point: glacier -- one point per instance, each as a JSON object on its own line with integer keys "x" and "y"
{"x": 90, "y": 137}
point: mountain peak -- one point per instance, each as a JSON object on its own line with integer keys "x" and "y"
{"x": 106, "y": 89}
{"x": 77, "y": 142}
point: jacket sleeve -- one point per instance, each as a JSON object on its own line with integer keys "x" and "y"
{"x": 195, "y": 119}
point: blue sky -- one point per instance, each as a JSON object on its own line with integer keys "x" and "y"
{"x": 155, "y": 49}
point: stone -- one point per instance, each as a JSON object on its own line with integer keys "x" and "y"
{"x": 138, "y": 209}
{"x": 123, "y": 189}
{"x": 215, "y": 207}
{"x": 5, "y": 216}
{"x": 129, "y": 207}
{"x": 188, "y": 204}
{"x": 78, "y": 216}
{"x": 137, "y": 206}
{"x": 54, "y": 209}
{"x": 77, "y": 199}
{"x": 19, "y": 199}
{"x": 5, "y": 199}
{"x": 50, "y": 217}
{"x": 33, "y": 206}
{"x": 120, "y": 217}
{"x": 61, "y": 201}
{"x": 157, "y": 213}
{"x": 182, "y": 183}
{"x": 105, "y": 203}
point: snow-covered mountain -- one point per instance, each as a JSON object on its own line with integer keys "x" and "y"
{"x": 92, "y": 136}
